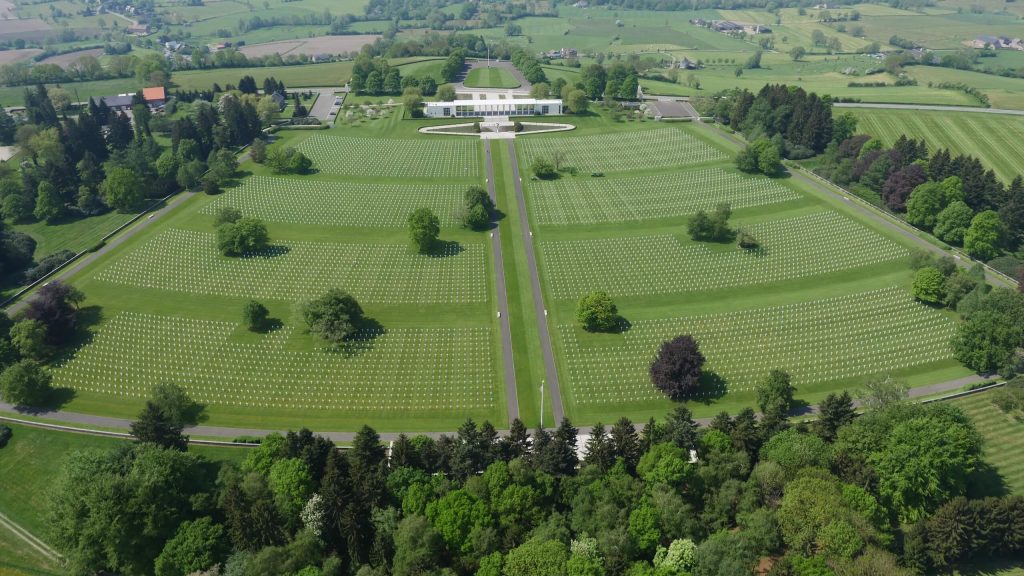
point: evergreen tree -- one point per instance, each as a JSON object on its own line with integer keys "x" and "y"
{"x": 834, "y": 412}
{"x": 599, "y": 450}
{"x": 156, "y": 427}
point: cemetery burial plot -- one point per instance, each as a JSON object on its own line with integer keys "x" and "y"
{"x": 441, "y": 158}
{"x": 171, "y": 303}
{"x": 824, "y": 296}
{"x": 333, "y": 203}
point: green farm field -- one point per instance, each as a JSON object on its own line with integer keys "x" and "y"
{"x": 167, "y": 306}
{"x": 992, "y": 138}
{"x": 490, "y": 78}
{"x": 1002, "y": 435}
{"x": 826, "y": 296}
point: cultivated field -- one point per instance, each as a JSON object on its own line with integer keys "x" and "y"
{"x": 12, "y": 56}
{"x": 310, "y": 46}
{"x": 993, "y": 138}
{"x": 63, "y": 60}
{"x": 1002, "y": 434}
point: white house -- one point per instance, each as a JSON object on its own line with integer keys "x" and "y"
{"x": 492, "y": 108}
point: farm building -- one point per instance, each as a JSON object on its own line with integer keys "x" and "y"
{"x": 155, "y": 96}
{"x": 119, "y": 103}
{"x": 687, "y": 64}
{"x": 491, "y": 108}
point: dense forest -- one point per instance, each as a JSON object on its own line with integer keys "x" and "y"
{"x": 900, "y": 490}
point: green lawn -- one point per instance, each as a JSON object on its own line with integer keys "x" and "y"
{"x": 29, "y": 465}
{"x": 76, "y": 235}
{"x": 490, "y": 78}
{"x": 826, "y": 296}
{"x": 1003, "y": 435}
{"x": 166, "y": 306}
{"x": 990, "y": 137}
{"x": 19, "y": 559}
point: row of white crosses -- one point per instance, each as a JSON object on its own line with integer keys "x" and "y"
{"x": 406, "y": 369}
{"x": 332, "y": 203}
{"x": 796, "y": 247}
{"x": 596, "y": 200}
{"x": 619, "y": 151}
{"x": 420, "y": 158}
{"x": 188, "y": 261}
{"x": 818, "y": 341}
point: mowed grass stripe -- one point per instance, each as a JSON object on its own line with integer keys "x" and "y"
{"x": 1004, "y": 437}
{"x": 332, "y": 203}
{"x": 188, "y": 261}
{"x": 798, "y": 247}
{"x": 622, "y": 151}
{"x": 588, "y": 200}
{"x": 817, "y": 341}
{"x": 990, "y": 137}
{"x": 411, "y": 369}
{"x": 422, "y": 158}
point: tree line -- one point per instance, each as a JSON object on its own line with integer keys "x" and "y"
{"x": 883, "y": 493}
{"x": 954, "y": 197}
{"x": 100, "y": 160}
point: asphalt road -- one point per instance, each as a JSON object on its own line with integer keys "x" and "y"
{"x": 550, "y": 371}
{"x": 929, "y": 107}
{"x": 511, "y": 394}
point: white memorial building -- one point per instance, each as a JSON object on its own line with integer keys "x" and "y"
{"x": 492, "y": 108}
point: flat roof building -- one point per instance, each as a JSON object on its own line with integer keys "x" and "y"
{"x": 492, "y": 108}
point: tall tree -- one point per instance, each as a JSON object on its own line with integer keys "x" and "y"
{"x": 676, "y": 369}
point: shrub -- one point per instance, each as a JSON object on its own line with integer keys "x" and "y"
{"x": 929, "y": 285}
{"x": 544, "y": 169}
{"x": 5, "y": 435}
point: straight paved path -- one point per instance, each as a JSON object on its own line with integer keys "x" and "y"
{"x": 926, "y": 107}
{"x": 511, "y": 394}
{"x": 228, "y": 433}
{"x": 550, "y": 370}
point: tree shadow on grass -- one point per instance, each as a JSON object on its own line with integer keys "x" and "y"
{"x": 986, "y": 481}
{"x": 363, "y": 340}
{"x": 272, "y": 251}
{"x": 445, "y": 249}
{"x": 711, "y": 388}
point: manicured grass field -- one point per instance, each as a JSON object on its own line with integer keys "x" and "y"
{"x": 817, "y": 341}
{"x": 421, "y": 158}
{"x": 824, "y": 296}
{"x": 992, "y": 138}
{"x": 333, "y": 203}
{"x": 635, "y": 150}
{"x": 1003, "y": 435}
{"x": 589, "y": 200}
{"x": 76, "y": 235}
{"x": 166, "y": 306}
{"x": 791, "y": 248}
{"x": 19, "y": 559}
{"x": 490, "y": 78}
